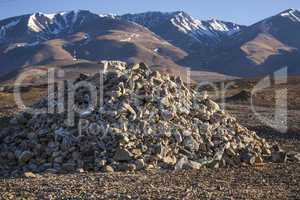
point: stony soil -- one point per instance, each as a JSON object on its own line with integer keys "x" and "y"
{"x": 276, "y": 181}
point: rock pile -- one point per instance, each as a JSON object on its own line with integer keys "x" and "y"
{"x": 147, "y": 120}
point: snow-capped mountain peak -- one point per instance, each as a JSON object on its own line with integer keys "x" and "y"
{"x": 184, "y": 23}
{"x": 47, "y": 25}
{"x": 211, "y": 28}
{"x": 53, "y": 23}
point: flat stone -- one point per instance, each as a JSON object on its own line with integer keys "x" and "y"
{"x": 170, "y": 160}
{"x": 108, "y": 169}
{"x": 195, "y": 165}
{"x": 52, "y": 171}
{"x": 29, "y": 175}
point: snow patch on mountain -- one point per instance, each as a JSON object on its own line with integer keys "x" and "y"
{"x": 219, "y": 26}
{"x": 50, "y": 16}
{"x": 113, "y": 16}
{"x": 20, "y": 45}
{"x": 292, "y": 14}
{"x": 28, "y": 44}
{"x": 34, "y": 25}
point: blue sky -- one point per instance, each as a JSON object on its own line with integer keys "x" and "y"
{"x": 239, "y": 11}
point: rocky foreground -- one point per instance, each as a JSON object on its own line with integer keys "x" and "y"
{"x": 147, "y": 121}
{"x": 154, "y": 138}
{"x": 271, "y": 181}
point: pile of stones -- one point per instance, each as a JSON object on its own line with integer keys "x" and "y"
{"x": 146, "y": 120}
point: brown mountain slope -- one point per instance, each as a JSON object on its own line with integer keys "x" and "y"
{"x": 87, "y": 37}
{"x": 259, "y": 49}
{"x": 262, "y": 47}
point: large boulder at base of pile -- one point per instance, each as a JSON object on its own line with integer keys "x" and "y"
{"x": 147, "y": 121}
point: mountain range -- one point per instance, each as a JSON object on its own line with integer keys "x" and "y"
{"x": 169, "y": 41}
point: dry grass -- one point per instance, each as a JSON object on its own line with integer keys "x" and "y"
{"x": 8, "y": 105}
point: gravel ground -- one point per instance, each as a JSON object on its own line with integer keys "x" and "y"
{"x": 271, "y": 181}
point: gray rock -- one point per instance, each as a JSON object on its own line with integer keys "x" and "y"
{"x": 69, "y": 166}
{"x": 128, "y": 108}
{"x": 190, "y": 143}
{"x": 296, "y": 158}
{"x": 219, "y": 155}
{"x": 108, "y": 169}
{"x": 140, "y": 164}
{"x": 59, "y": 159}
{"x": 195, "y": 165}
{"x": 25, "y": 156}
{"x": 279, "y": 157}
{"x": 160, "y": 150}
{"x": 122, "y": 155}
{"x": 126, "y": 167}
{"x": 52, "y": 171}
{"x": 248, "y": 158}
{"x": 76, "y": 156}
{"x": 214, "y": 107}
{"x": 177, "y": 136}
{"x": 94, "y": 129}
{"x": 181, "y": 164}
{"x": 185, "y": 164}
{"x": 293, "y": 157}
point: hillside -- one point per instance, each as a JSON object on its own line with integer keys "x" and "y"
{"x": 41, "y": 40}
{"x": 169, "y": 41}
